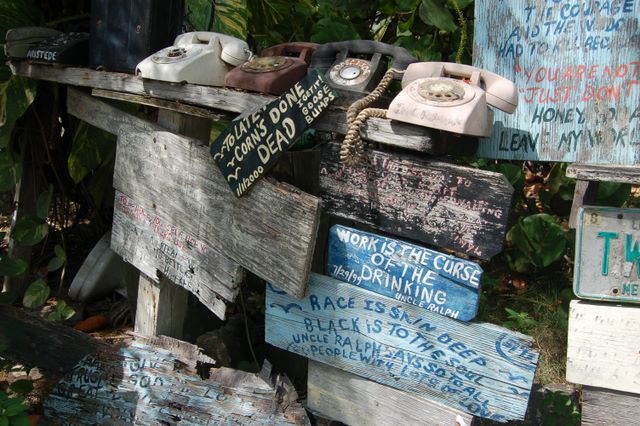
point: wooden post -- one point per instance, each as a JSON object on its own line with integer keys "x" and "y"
{"x": 162, "y": 307}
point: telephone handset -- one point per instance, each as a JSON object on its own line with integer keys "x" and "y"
{"x": 275, "y": 71}
{"x": 347, "y": 70}
{"x": 197, "y": 57}
{"x": 452, "y": 97}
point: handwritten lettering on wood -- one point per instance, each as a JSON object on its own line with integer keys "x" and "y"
{"x": 603, "y": 345}
{"x": 482, "y": 369}
{"x": 356, "y": 401}
{"x": 438, "y": 203}
{"x": 406, "y": 272}
{"x": 144, "y": 384}
{"x": 251, "y": 146}
{"x": 577, "y": 69}
{"x": 154, "y": 245}
{"x": 607, "y": 254}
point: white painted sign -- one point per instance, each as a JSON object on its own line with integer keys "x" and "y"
{"x": 608, "y": 254}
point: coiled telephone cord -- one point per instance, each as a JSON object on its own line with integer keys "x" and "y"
{"x": 352, "y": 148}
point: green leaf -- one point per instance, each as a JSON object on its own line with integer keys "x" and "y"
{"x": 4, "y": 420}
{"x": 536, "y": 241}
{"x": 16, "y": 96}
{"x": 29, "y": 230}
{"x": 14, "y": 407}
{"x": 406, "y": 6}
{"x": 200, "y": 14}
{"x": 22, "y": 387}
{"x": 333, "y": 29}
{"x": 43, "y": 202}
{"x": 91, "y": 147}
{"x": 512, "y": 172}
{"x": 37, "y": 293}
{"x": 55, "y": 263}
{"x": 62, "y": 312}
{"x": 231, "y": 17}
{"x": 10, "y": 171}
{"x": 462, "y": 4}
{"x": 613, "y": 193}
{"x": 59, "y": 251}
{"x": 10, "y": 267}
{"x": 20, "y": 420}
{"x": 432, "y": 12}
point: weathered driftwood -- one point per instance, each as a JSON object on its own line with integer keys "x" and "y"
{"x": 438, "y": 203}
{"x": 356, "y": 401}
{"x": 603, "y": 345}
{"x": 479, "y": 368}
{"x": 376, "y": 130}
{"x": 405, "y": 272}
{"x": 605, "y": 407}
{"x": 270, "y": 232}
{"x": 611, "y": 173}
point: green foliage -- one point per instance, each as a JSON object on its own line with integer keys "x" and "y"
{"x": 37, "y": 293}
{"x": 519, "y": 321}
{"x": 58, "y": 260}
{"x": 44, "y": 202}
{"x": 61, "y": 312}
{"x": 10, "y": 170}
{"x": 535, "y": 242}
{"x": 29, "y": 230}
{"x": 11, "y": 267}
{"x": 231, "y": 17}
{"x": 558, "y": 408}
{"x": 91, "y": 147}
{"x": 12, "y": 410}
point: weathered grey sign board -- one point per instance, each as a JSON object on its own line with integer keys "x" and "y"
{"x": 607, "y": 263}
{"x": 146, "y": 384}
{"x": 405, "y": 272}
{"x": 250, "y": 146}
{"x": 577, "y": 69}
{"x": 603, "y": 345}
{"x": 442, "y": 204}
{"x": 604, "y": 407}
{"x": 356, "y": 401}
{"x": 479, "y": 368}
{"x": 271, "y": 232}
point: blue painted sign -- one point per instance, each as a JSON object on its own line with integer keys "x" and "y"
{"x": 577, "y": 68}
{"x": 405, "y": 272}
{"x": 479, "y": 368}
{"x": 608, "y": 254}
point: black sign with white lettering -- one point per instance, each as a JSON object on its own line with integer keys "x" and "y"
{"x": 249, "y": 147}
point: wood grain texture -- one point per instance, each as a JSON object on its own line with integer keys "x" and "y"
{"x": 148, "y": 385}
{"x": 585, "y": 193}
{"x": 610, "y": 173}
{"x": 438, "y": 203}
{"x": 377, "y": 130}
{"x": 355, "y": 401}
{"x": 577, "y": 76}
{"x": 162, "y": 308}
{"x": 479, "y": 368}
{"x": 603, "y": 345}
{"x": 151, "y": 244}
{"x": 604, "y": 407}
{"x": 271, "y": 231}
{"x": 405, "y": 272}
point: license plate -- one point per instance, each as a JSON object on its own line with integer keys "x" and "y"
{"x": 608, "y": 254}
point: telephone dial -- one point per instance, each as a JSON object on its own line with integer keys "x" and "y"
{"x": 275, "y": 71}
{"x": 197, "y": 57}
{"x": 357, "y": 66}
{"x": 452, "y": 97}
{"x": 20, "y": 40}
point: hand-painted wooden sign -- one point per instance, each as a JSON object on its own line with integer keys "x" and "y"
{"x": 144, "y": 384}
{"x": 608, "y": 254}
{"x": 577, "y": 69}
{"x": 249, "y": 147}
{"x": 482, "y": 369}
{"x": 603, "y": 345}
{"x": 405, "y": 272}
{"x": 438, "y": 203}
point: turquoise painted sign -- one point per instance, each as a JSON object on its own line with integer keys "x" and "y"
{"x": 608, "y": 254}
{"x": 479, "y": 368}
{"x": 405, "y": 272}
{"x": 577, "y": 68}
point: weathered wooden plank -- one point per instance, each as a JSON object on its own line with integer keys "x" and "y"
{"x": 334, "y": 120}
{"x": 145, "y": 384}
{"x": 610, "y": 173}
{"x": 585, "y": 193}
{"x": 406, "y": 272}
{"x": 607, "y": 265}
{"x": 176, "y": 106}
{"x": 355, "y": 401}
{"x": 577, "y": 72}
{"x": 151, "y": 244}
{"x": 271, "y": 231}
{"x": 438, "y": 203}
{"x": 161, "y": 307}
{"x": 479, "y": 368}
{"x": 605, "y": 407}
{"x": 603, "y": 345}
